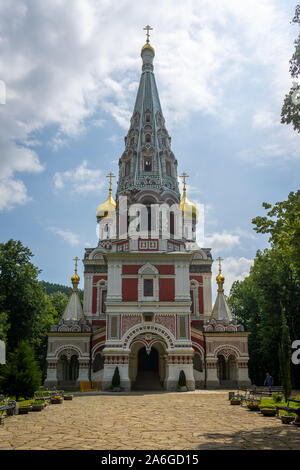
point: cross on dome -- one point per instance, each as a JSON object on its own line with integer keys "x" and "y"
{"x": 148, "y": 28}
{"x": 184, "y": 176}
{"x": 76, "y": 259}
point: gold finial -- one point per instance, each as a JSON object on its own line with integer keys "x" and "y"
{"x": 148, "y": 28}
{"x": 184, "y": 176}
{"x": 220, "y": 279}
{"x": 75, "y": 278}
{"x": 110, "y": 176}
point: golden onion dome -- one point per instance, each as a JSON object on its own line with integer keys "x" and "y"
{"x": 75, "y": 278}
{"x": 220, "y": 279}
{"x": 147, "y": 46}
{"x": 188, "y": 207}
{"x": 106, "y": 208}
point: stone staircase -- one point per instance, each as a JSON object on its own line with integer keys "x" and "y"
{"x": 147, "y": 380}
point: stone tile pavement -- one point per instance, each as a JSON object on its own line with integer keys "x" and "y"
{"x": 192, "y": 420}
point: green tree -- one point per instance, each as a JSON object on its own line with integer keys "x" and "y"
{"x": 29, "y": 311}
{"x": 274, "y": 281}
{"x": 22, "y": 376}
{"x": 182, "y": 379}
{"x": 290, "y": 113}
{"x": 282, "y": 222}
{"x": 285, "y": 357}
{"x": 4, "y": 325}
{"x": 116, "y": 378}
{"x": 59, "y": 301}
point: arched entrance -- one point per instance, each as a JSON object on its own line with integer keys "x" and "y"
{"x": 227, "y": 369}
{"x": 147, "y": 366}
{"x": 67, "y": 370}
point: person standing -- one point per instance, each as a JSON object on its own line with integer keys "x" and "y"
{"x": 268, "y": 380}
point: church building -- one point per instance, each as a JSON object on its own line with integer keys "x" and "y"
{"x": 147, "y": 305}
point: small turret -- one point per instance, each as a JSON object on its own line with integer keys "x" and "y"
{"x": 73, "y": 310}
{"x": 221, "y": 310}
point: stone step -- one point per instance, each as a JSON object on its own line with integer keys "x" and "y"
{"x": 147, "y": 381}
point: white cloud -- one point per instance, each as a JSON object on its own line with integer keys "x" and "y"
{"x": 220, "y": 242}
{"x": 80, "y": 180}
{"x": 61, "y": 64}
{"x": 12, "y": 192}
{"x": 280, "y": 146}
{"x": 264, "y": 119}
{"x": 233, "y": 269}
{"x": 70, "y": 237}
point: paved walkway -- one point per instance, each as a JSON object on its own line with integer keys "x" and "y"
{"x": 192, "y": 420}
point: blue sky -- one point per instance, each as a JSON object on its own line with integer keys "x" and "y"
{"x": 71, "y": 77}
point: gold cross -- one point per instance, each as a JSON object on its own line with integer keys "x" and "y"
{"x": 184, "y": 176}
{"x": 110, "y": 176}
{"x": 220, "y": 259}
{"x": 148, "y": 28}
{"x": 76, "y": 259}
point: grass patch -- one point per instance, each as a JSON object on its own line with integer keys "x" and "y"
{"x": 271, "y": 403}
{"x": 25, "y": 402}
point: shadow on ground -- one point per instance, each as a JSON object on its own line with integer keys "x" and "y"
{"x": 285, "y": 437}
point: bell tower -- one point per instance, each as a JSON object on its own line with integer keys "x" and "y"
{"x": 148, "y": 167}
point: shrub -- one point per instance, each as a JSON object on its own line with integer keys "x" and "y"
{"x": 182, "y": 379}
{"x": 277, "y": 397}
{"x": 116, "y": 378}
{"x": 22, "y": 375}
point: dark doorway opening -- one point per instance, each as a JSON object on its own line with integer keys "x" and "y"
{"x": 148, "y": 362}
{"x": 148, "y": 371}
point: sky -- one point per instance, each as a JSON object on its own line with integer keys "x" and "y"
{"x": 71, "y": 71}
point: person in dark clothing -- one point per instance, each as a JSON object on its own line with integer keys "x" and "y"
{"x": 268, "y": 380}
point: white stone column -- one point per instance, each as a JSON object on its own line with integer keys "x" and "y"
{"x": 114, "y": 281}
{"x": 173, "y": 370}
{"x": 182, "y": 281}
{"x": 51, "y": 378}
{"x": 207, "y": 294}
{"x": 212, "y": 379}
{"x": 83, "y": 375}
{"x": 88, "y": 294}
{"x": 242, "y": 373}
{"x": 110, "y": 364}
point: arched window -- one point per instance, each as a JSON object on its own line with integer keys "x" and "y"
{"x": 98, "y": 363}
{"x": 168, "y": 169}
{"x": 192, "y": 305}
{"x": 148, "y": 117}
{"x": 102, "y": 292}
{"x": 148, "y": 138}
{"x": 197, "y": 362}
{"x": 127, "y": 168}
{"x": 148, "y": 164}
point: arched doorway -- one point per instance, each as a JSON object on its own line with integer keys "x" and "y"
{"x": 147, "y": 367}
{"x": 67, "y": 370}
{"x": 227, "y": 369}
{"x": 221, "y": 368}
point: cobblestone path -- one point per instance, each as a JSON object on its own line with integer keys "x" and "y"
{"x": 192, "y": 420}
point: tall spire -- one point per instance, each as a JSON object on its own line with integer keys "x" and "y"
{"x": 148, "y": 167}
